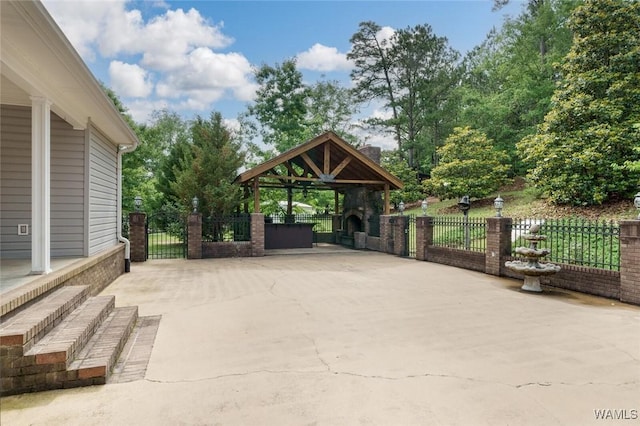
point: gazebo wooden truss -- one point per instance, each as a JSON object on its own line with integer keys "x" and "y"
{"x": 326, "y": 162}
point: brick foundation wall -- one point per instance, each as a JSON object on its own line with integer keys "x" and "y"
{"x": 226, "y": 249}
{"x": 98, "y": 271}
{"x": 194, "y": 238}
{"x": 386, "y": 234}
{"x": 257, "y": 235}
{"x": 399, "y": 236}
{"x": 630, "y": 261}
{"x": 137, "y": 237}
{"x": 460, "y": 258}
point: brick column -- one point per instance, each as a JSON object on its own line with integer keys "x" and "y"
{"x": 194, "y": 239}
{"x": 137, "y": 237}
{"x": 386, "y": 233}
{"x": 630, "y": 261}
{"x": 399, "y": 235}
{"x": 424, "y": 236}
{"x": 498, "y": 244}
{"x": 257, "y": 234}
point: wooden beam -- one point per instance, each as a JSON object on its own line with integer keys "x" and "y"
{"x": 341, "y": 166}
{"x": 291, "y": 169}
{"x": 256, "y": 195}
{"x": 387, "y": 207}
{"x": 327, "y": 158}
{"x": 311, "y": 164}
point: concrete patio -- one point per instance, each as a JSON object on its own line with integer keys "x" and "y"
{"x": 352, "y": 337}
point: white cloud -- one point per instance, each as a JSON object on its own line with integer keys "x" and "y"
{"x": 141, "y": 110}
{"x": 323, "y": 58}
{"x": 175, "y": 46}
{"x": 129, "y": 80}
{"x": 385, "y": 34}
{"x": 206, "y": 76}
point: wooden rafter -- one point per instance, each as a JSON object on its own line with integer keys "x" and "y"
{"x": 311, "y": 164}
{"x": 341, "y": 166}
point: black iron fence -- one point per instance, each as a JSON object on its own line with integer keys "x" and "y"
{"x": 323, "y": 222}
{"x": 166, "y": 235}
{"x": 573, "y": 241}
{"x": 226, "y": 228}
{"x": 411, "y": 236}
{"x": 458, "y": 232}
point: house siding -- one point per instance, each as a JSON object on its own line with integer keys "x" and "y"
{"x": 15, "y": 180}
{"x": 67, "y": 189}
{"x": 67, "y": 185}
{"x": 103, "y": 181}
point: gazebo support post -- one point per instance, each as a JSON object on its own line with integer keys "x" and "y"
{"x": 387, "y": 201}
{"x": 256, "y": 195}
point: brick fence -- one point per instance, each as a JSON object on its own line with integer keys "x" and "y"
{"x": 623, "y": 285}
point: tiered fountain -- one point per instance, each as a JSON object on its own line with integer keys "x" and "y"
{"x": 532, "y": 269}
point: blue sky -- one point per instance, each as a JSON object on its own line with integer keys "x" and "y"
{"x": 194, "y": 57}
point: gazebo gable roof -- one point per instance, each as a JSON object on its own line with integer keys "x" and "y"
{"x": 326, "y": 160}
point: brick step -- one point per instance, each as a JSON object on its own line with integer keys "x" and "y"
{"x": 97, "y": 358}
{"x": 61, "y": 344}
{"x": 27, "y": 326}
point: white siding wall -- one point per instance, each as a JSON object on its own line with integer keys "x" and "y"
{"x": 15, "y": 180}
{"x": 67, "y": 185}
{"x": 103, "y": 181}
{"x": 67, "y": 189}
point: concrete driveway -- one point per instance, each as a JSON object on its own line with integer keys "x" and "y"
{"x": 350, "y": 338}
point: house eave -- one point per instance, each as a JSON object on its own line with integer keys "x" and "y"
{"x": 39, "y": 60}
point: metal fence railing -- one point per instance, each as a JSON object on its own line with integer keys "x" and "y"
{"x": 411, "y": 236}
{"x": 323, "y": 222}
{"x": 573, "y": 241}
{"x": 460, "y": 232}
{"x": 226, "y": 228}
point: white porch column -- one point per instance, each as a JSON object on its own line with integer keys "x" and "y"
{"x": 40, "y": 185}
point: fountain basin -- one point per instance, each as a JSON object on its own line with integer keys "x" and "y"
{"x": 530, "y": 252}
{"x": 532, "y": 272}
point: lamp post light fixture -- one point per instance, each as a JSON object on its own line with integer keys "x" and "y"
{"x": 424, "y": 207}
{"x": 498, "y": 203}
{"x": 137, "y": 202}
{"x": 401, "y": 207}
{"x": 194, "y": 203}
{"x": 464, "y": 204}
{"x": 636, "y": 202}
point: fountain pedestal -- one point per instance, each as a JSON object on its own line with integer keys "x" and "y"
{"x": 532, "y": 269}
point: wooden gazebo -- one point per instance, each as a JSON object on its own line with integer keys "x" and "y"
{"x": 326, "y": 162}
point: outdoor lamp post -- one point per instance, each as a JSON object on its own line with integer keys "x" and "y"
{"x": 137, "y": 202}
{"x": 636, "y": 202}
{"x": 464, "y": 204}
{"x": 424, "y": 207}
{"x": 194, "y": 203}
{"x": 401, "y": 207}
{"x": 498, "y": 203}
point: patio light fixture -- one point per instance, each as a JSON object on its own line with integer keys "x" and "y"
{"x": 194, "y": 203}
{"x": 401, "y": 207}
{"x": 636, "y": 202}
{"x": 498, "y": 204}
{"x": 424, "y": 207}
{"x": 137, "y": 202}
